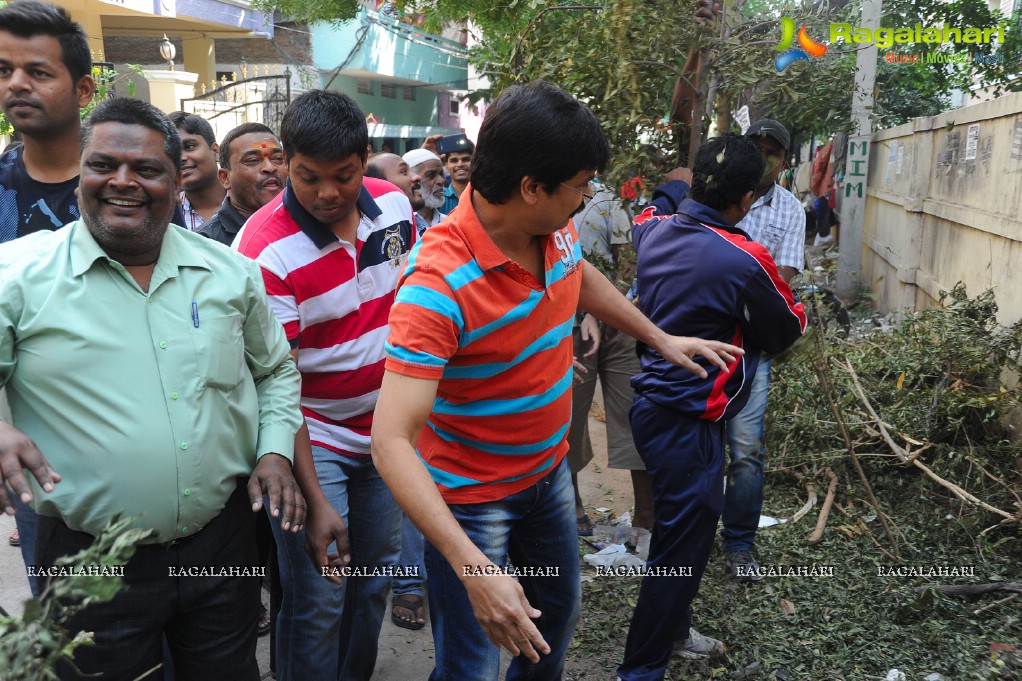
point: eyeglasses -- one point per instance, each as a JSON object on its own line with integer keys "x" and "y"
{"x": 587, "y": 197}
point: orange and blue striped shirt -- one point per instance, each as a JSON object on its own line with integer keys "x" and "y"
{"x": 499, "y": 343}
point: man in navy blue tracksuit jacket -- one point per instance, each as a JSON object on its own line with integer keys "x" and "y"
{"x": 699, "y": 275}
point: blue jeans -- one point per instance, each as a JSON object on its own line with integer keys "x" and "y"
{"x": 26, "y": 520}
{"x": 744, "y": 499}
{"x": 533, "y": 528}
{"x": 685, "y": 461}
{"x": 413, "y": 547}
{"x": 327, "y": 632}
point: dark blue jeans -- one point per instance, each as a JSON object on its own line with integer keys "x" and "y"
{"x": 327, "y": 632}
{"x": 685, "y": 461}
{"x": 534, "y": 528}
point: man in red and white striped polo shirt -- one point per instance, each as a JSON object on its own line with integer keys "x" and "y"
{"x": 332, "y": 246}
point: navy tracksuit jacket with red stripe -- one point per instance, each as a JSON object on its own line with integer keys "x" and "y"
{"x": 698, "y": 276}
{"x": 701, "y": 276}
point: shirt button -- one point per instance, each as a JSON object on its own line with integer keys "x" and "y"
{"x": 184, "y": 528}
{"x": 163, "y": 344}
{"x": 173, "y": 396}
{"x": 187, "y": 491}
{"x": 184, "y": 445}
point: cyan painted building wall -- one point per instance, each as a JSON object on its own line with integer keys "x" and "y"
{"x": 399, "y": 111}
{"x": 390, "y": 48}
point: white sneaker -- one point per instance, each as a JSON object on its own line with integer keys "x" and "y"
{"x": 823, "y": 240}
{"x": 699, "y": 647}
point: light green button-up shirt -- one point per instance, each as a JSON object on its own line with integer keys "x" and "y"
{"x": 145, "y": 403}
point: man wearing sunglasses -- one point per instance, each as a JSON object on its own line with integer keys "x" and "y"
{"x": 778, "y": 222}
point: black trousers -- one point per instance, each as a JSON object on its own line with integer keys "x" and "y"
{"x": 209, "y": 621}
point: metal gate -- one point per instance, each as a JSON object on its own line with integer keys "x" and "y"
{"x": 260, "y": 99}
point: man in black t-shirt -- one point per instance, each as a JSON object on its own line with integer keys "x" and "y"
{"x": 45, "y": 81}
{"x": 28, "y": 206}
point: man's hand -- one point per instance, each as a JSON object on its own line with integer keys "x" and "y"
{"x": 272, "y": 477}
{"x": 17, "y": 451}
{"x": 590, "y": 330}
{"x": 505, "y": 615}
{"x": 430, "y": 143}
{"x": 680, "y": 173}
{"x": 679, "y": 350}
{"x": 324, "y": 527}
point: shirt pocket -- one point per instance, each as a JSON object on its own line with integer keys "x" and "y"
{"x": 219, "y": 347}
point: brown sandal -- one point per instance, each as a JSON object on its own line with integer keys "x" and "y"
{"x": 412, "y": 603}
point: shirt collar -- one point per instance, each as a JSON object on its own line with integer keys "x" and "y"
{"x": 319, "y": 233}
{"x": 766, "y": 198}
{"x": 230, "y": 217}
{"x": 175, "y": 251}
{"x": 486, "y": 253}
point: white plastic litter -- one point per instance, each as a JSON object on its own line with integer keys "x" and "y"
{"x": 935, "y": 677}
{"x": 606, "y": 556}
{"x": 767, "y": 521}
{"x": 895, "y": 675}
{"x": 623, "y": 520}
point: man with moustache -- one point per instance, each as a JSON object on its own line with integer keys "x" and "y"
{"x": 428, "y": 193}
{"x": 45, "y": 81}
{"x": 147, "y": 378}
{"x": 203, "y": 192}
{"x": 252, "y": 171}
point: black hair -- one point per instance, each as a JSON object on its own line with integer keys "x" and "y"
{"x": 29, "y": 18}
{"x": 726, "y": 168}
{"x": 243, "y": 129}
{"x": 193, "y": 124}
{"x": 535, "y": 130}
{"x": 324, "y": 124}
{"x": 134, "y": 112}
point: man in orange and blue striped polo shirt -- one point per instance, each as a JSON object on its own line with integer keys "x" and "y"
{"x": 471, "y": 420}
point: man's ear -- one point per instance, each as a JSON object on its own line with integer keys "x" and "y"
{"x": 530, "y": 189}
{"x": 223, "y": 176}
{"x": 216, "y": 152}
{"x": 746, "y": 201}
{"x": 85, "y": 90}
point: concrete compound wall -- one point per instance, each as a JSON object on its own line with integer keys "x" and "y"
{"x": 944, "y": 197}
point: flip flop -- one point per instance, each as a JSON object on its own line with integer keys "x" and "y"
{"x": 264, "y": 622}
{"x": 585, "y": 526}
{"x": 15, "y": 539}
{"x": 412, "y": 603}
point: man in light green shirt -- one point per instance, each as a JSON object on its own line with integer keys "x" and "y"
{"x": 146, "y": 365}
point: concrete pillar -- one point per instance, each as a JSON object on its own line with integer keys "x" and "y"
{"x": 168, "y": 88}
{"x": 200, "y": 57}
{"x": 93, "y": 25}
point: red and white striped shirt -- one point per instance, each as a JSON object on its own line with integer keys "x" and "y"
{"x": 333, "y": 298}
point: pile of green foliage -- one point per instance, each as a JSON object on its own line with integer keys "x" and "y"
{"x": 940, "y": 378}
{"x": 939, "y": 383}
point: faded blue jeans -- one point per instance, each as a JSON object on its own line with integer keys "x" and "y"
{"x": 412, "y": 550}
{"x": 327, "y": 632}
{"x": 534, "y": 528}
{"x": 743, "y": 501}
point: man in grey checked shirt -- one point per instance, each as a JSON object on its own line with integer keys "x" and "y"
{"x": 776, "y": 220}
